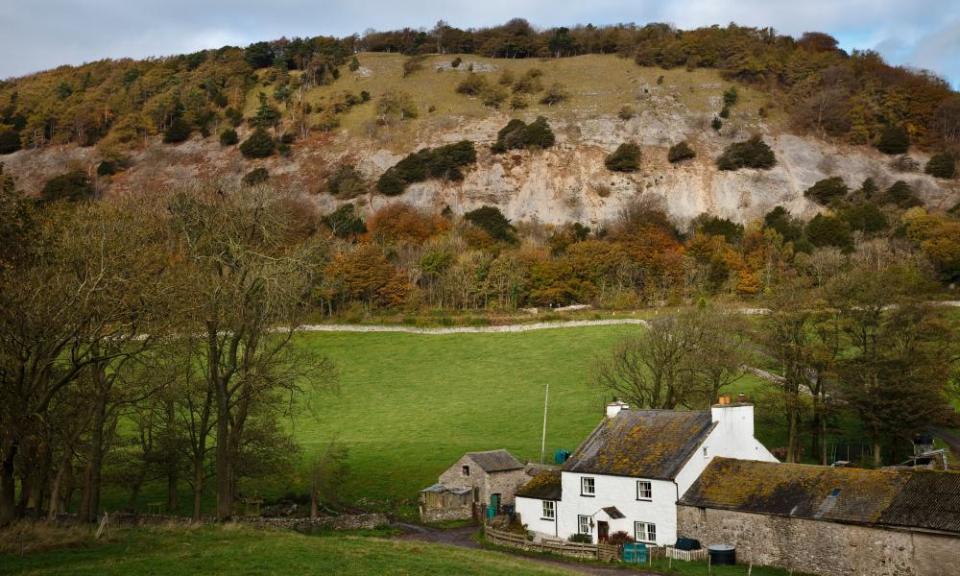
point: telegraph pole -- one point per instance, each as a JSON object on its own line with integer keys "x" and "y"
{"x": 543, "y": 437}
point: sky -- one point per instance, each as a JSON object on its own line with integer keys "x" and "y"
{"x": 40, "y": 34}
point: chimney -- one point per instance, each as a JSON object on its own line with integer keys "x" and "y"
{"x": 737, "y": 417}
{"x": 616, "y": 407}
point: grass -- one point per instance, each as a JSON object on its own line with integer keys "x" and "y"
{"x": 599, "y": 85}
{"x": 242, "y": 551}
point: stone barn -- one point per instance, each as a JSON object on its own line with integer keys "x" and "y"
{"x": 477, "y": 478}
{"x": 829, "y": 521}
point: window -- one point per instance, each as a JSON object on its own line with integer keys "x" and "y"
{"x": 704, "y": 451}
{"x": 588, "y": 486}
{"x": 645, "y": 532}
{"x": 549, "y": 510}
{"x": 584, "y": 524}
{"x": 465, "y": 470}
{"x": 644, "y": 490}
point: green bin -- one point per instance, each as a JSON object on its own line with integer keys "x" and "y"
{"x": 634, "y": 553}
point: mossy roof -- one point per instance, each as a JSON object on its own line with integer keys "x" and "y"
{"x": 651, "y": 444}
{"x": 543, "y": 486}
{"x": 902, "y": 498}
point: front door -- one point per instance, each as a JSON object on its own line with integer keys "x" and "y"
{"x": 603, "y": 531}
{"x": 495, "y": 502}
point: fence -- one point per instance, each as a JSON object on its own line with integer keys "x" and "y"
{"x": 603, "y": 552}
{"x": 686, "y": 555}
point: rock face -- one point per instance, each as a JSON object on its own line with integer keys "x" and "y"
{"x": 566, "y": 183}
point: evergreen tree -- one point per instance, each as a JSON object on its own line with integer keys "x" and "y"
{"x": 259, "y": 145}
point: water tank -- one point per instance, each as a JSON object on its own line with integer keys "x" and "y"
{"x": 722, "y": 554}
{"x": 687, "y": 544}
{"x": 561, "y": 456}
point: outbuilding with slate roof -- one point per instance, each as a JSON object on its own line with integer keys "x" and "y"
{"x": 475, "y": 481}
{"x": 825, "y": 520}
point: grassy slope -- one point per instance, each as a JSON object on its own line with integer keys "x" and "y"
{"x": 239, "y": 551}
{"x": 599, "y": 85}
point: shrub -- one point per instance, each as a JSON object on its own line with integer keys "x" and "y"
{"x": 229, "y": 137}
{"x": 893, "y": 140}
{"x": 234, "y": 116}
{"x": 679, "y": 152}
{"x": 506, "y": 78}
{"x": 413, "y": 64}
{"x": 717, "y": 226}
{"x": 716, "y": 124}
{"x": 529, "y": 83}
{"x": 517, "y": 135}
{"x": 825, "y": 230}
{"x": 626, "y": 112}
{"x": 71, "y": 186}
{"x": 620, "y": 537}
{"x": 259, "y": 145}
{"x": 354, "y": 64}
{"x": 256, "y": 176}
{"x": 901, "y": 195}
{"x": 345, "y": 222}
{"x": 626, "y": 158}
{"x": 942, "y": 165}
{"x": 493, "y": 96}
{"x": 581, "y": 538}
{"x": 725, "y": 112}
{"x": 555, "y": 95}
{"x": 456, "y": 62}
{"x": 905, "y": 163}
{"x": 346, "y": 182}
{"x": 754, "y": 153}
{"x": 443, "y": 162}
{"x": 827, "y": 190}
{"x": 178, "y": 131}
{"x": 730, "y": 97}
{"x": 9, "y": 140}
{"x": 107, "y": 168}
{"x": 492, "y": 221}
{"x": 472, "y": 85}
{"x": 518, "y": 102}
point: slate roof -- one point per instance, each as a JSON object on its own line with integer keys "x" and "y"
{"x": 543, "y": 486}
{"x": 495, "y": 460}
{"x": 642, "y": 443}
{"x": 902, "y": 498}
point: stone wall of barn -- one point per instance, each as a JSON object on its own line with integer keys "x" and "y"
{"x": 819, "y": 547}
{"x": 504, "y": 483}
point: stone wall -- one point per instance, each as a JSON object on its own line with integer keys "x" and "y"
{"x": 342, "y": 522}
{"x": 819, "y": 547}
{"x": 506, "y": 484}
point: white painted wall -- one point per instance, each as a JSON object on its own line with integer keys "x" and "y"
{"x": 531, "y": 514}
{"x": 732, "y": 437}
{"x": 619, "y": 491}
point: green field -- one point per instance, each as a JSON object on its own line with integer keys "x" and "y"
{"x": 240, "y": 551}
{"x": 410, "y": 405}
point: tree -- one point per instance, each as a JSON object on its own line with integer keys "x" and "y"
{"x": 789, "y": 227}
{"x": 825, "y": 230}
{"x": 754, "y": 153}
{"x": 345, "y": 222}
{"x": 901, "y": 195}
{"x": 72, "y": 186}
{"x": 9, "y": 140}
{"x": 555, "y": 94}
{"x": 827, "y": 190}
{"x": 942, "y": 165}
{"x": 346, "y": 183}
{"x": 256, "y": 176}
{"x": 679, "y": 152}
{"x": 893, "y": 140}
{"x": 493, "y": 222}
{"x": 248, "y": 278}
{"x": 517, "y": 135}
{"x": 626, "y": 158}
{"x": 258, "y": 145}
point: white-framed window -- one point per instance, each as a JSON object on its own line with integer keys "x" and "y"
{"x": 583, "y": 524}
{"x": 645, "y": 532}
{"x": 588, "y": 486}
{"x": 644, "y": 490}
{"x": 549, "y": 510}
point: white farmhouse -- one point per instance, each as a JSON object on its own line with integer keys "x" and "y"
{"x": 632, "y": 470}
